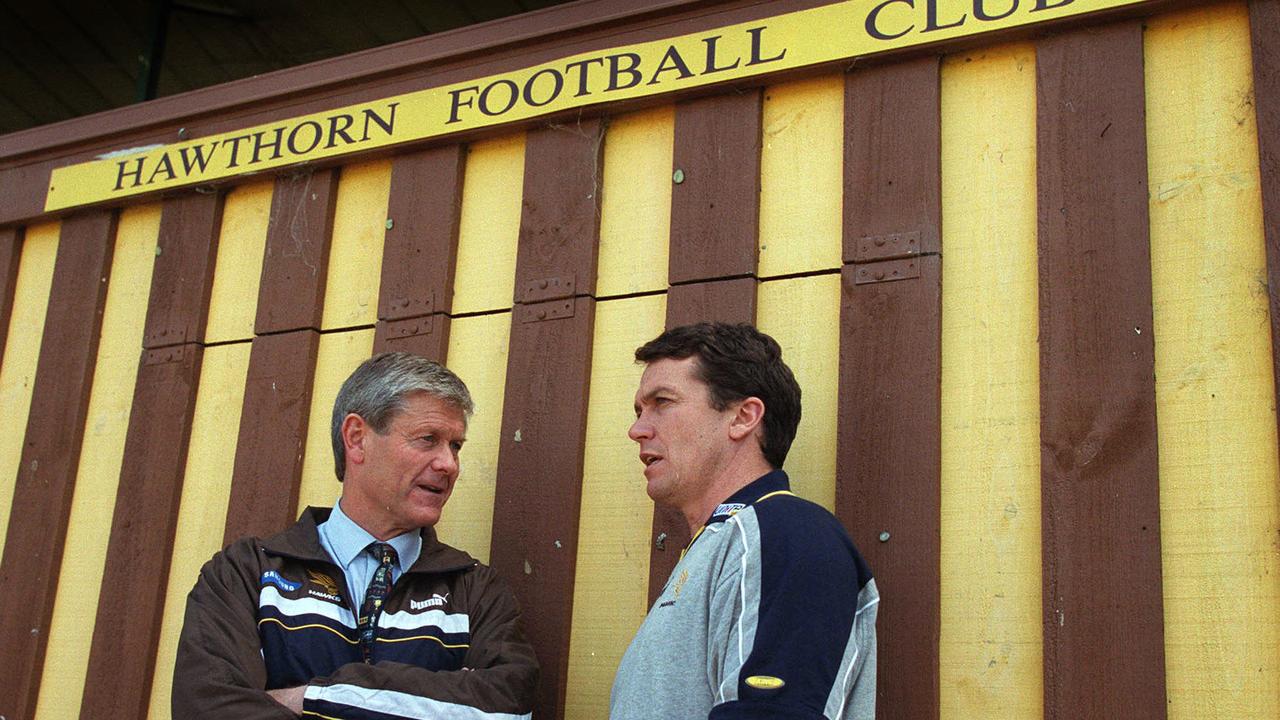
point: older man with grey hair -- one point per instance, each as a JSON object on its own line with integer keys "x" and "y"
{"x": 359, "y": 611}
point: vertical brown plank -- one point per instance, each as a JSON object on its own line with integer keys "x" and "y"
{"x": 51, "y": 454}
{"x": 1264, "y": 29}
{"x": 273, "y": 434}
{"x": 277, "y": 398}
{"x": 296, "y": 262}
{"x": 10, "y": 255}
{"x": 724, "y": 301}
{"x": 125, "y": 634}
{"x": 1103, "y": 603}
{"x": 538, "y": 494}
{"x": 715, "y": 201}
{"x": 419, "y": 252}
{"x": 888, "y": 456}
{"x": 715, "y": 222}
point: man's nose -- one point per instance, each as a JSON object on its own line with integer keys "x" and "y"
{"x": 640, "y": 429}
{"x": 446, "y": 460}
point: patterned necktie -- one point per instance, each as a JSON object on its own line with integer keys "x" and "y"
{"x": 379, "y": 586}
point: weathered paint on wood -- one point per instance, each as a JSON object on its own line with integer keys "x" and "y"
{"x": 22, "y": 353}
{"x": 990, "y": 633}
{"x": 1100, "y": 492}
{"x": 202, "y": 515}
{"x": 146, "y": 508}
{"x": 51, "y": 452}
{"x": 1264, "y": 30}
{"x": 610, "y": 595}
{"x": 1219, "y": 506}
{"x": 420, "y": 251}
{"x": 715, "y": 202}
{"x": 800, "y": 176}
{"x": 78, "y": 598}
{"x": 268, "y": 468}
{"x": 889, "y": 440}
{"x": 10, "y": 256}
{"x": 356, "y": 246}
{"x": 295, "y": 266}
{"x": 233, "y": 301}
{"x": 535, "y": 521}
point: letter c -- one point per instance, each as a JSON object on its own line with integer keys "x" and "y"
{"x": 874, "y": 31}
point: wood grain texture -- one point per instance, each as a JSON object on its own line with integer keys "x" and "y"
{"x": 892, "y": 155}
{"x": 1100, "y": 494}
{"x": 10, "y": 255}
{"x": 724, "y": 301}
{"x": 151, "y": 479}
{"x": 888, "y": 457}
{"x": 1264, "y": 30}
{"x": 273, "y": 434}
{"x": 538, "y": 493}
{"x": 715, "y": 208}
{"x": 294, "y": 268}
{"x": 126, "y": 634}
{"x": 420, "y": 252}
{"x": 51, "y": 453}
{"x": 183, "y": 276}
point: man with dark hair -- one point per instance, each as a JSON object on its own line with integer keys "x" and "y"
{"x": 771, "y": 611}
{"x": 359, "y": 611}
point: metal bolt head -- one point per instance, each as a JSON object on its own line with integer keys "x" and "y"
{"x": 678, "y": 176}
{"x": 884, "y": 536}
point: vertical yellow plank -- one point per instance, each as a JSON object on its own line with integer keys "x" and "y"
{"x": 22, "y": 352}
{"x": 610, "y": 590}
{"x": 801, "y": 186}
{"x": 98, "y": 475}
{"x": 205, "y": 493}
{"x": 355, "y": 253}
{"x": 339, "y": 354}
{"x": 1215, "y": 396}
{"x": 991, "y": 648}
{"x": 803, "y": 315}
{"x": 485, "y": 278}
{"x": 635, "y": 212}
{"x": 478, "y": 354}
{"x": 233, "y": 303}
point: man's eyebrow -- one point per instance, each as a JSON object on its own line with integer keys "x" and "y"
{"x": 659, "y": 390}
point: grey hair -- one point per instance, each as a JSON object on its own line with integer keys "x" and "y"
{"x": 378, "y": 389}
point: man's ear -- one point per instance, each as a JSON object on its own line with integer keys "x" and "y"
{"x": 354, "y": 431}
{"x": 747, "y": 418}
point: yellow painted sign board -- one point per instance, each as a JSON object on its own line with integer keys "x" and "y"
{"x": 841, "y": 31}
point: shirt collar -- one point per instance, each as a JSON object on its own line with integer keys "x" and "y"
{"x": 349, "y": 539}
{"x": 771, "y": 482}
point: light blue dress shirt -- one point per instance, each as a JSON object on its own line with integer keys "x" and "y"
{"x": 346, "y": 542}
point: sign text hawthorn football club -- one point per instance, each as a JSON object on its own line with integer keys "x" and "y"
{"x": 826, "y": 34}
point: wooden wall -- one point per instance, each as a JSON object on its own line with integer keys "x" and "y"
{"x": 1055, "y": 440}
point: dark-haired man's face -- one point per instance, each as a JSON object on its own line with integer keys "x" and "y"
{"x": 684, "y": 441}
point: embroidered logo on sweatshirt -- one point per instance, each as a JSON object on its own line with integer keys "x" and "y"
{"x": 271, "y": 577}
{"x": 436, "y": 600}
{"x": 328, "y": 589}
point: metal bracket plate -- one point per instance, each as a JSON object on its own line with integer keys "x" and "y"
{"x": 403, "y": 307}
{"x": 160, "y": 356}
{"x": 552, "y": 310}
{"x": 550, "y": 288}
{"x": 887, "y": 247}
{"x": 409, "y": 327}
{"x": 164, "y": 337}
{"x": 886, "y": 271}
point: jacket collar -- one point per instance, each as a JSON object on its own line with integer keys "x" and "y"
{"x": 771, "y": 482}
{"x": 302, "y": 541}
